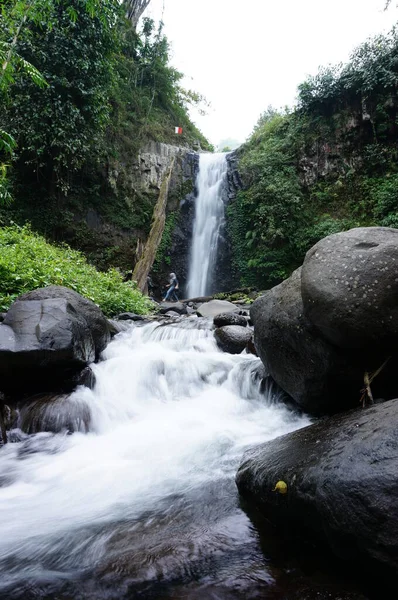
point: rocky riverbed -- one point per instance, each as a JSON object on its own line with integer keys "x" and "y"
{"x": 141, "y": 499}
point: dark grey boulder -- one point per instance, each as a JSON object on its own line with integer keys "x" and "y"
{"x": 172, "y": 313}
{"x": 319, "y": 376}
{"x": 55, "y": 413}
{"x": 215, "y": 307}
{"x": 116, "y": 327}
{"x": 128, "y": 316}
{"x": 92, "y": 314}
{"x": 305, "y": 366}
{"x": 177, "y": 307}
{"x": 229, "y": 319}
{"x": 47, "y": 339}
{"x": 232, "y": 338}
{"x": 2, "y": 316}
{"x": 10, "y": 416}
{"x": 350, "y": 287}
{"x": 199, "y": 300}
{"x": 342, "y": 486}
{"x": 86, "y": 378}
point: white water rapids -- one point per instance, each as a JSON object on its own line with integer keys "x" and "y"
{"x": 148, "y": 494}
{"x": 209, "y": 216}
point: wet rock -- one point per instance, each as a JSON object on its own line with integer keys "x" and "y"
{"x": 47, "y": 338}
{"x": 86, "y": 378}
{"x": 177, "y": 307}
{"x": 215, "y": 307}
{"x": 232, "y": 338}
{"x": 341, "y": 483}
{"x": 172, "y": 313}
{"x": 251, "y": 348}
{"x": 128, "y": 316}
{"x": 116, "y": 327}
{"x": 10, "y": 416}
{"x": 198, "y": 300}
{"x": 92, "y": 314}
{"x": 229, "y": 319}
{"x": 350, "y": 287}
{"x": 55, "y": 413}
{"x": 296, "y": 357}
{"x": 319, "y": 376}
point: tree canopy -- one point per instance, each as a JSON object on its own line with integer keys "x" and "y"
{"x": 328, "y": 165}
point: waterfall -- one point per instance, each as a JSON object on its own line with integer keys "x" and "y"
{"x": 147, "y": 496}
{"x": 209, "y": 217}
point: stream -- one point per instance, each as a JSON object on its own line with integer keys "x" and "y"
{"x": 144, "y": 505}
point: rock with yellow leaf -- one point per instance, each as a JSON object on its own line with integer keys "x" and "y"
{"x": 335, "y": 481}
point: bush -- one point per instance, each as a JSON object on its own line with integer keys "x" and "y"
{"x": 28, "y": 262}
{"x": 327, "y": 166}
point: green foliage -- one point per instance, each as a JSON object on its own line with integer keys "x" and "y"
{"x": 268, "y": 211}
{"x": 58, "y": 127}
{"x": 326, "y": 167}
{"x": 5, "y": 186}
{"x": 365, "y": 87}
{"x": 7, "y": 145}
{"x": 28, "y": 262}
{"x": 162, "y": 258}
{"x": 240, "y": 297}
{"x": 20, "y": 19}
{"x": 383, "y": 194}
{"x": 147, "y": 99}
{"x": 109, "y": 90}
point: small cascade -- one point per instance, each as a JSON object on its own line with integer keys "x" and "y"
{"x": 146, "y": 498}
{"x": 209, "y": 219}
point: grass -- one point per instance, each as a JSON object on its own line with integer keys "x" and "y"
{"x": 28, "y": 262}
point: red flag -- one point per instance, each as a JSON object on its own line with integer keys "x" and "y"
{"x": 177, "y": 129}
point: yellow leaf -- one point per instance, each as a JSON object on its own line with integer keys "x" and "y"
{"x": 281, "y": 487}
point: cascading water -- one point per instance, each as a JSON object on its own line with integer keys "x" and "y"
{"x": 144, "y": 505}
{"x": 209, "y": 216}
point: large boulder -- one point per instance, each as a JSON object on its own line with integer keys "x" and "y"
{"x": 177, "y": 307}
{"x": 129, "y": 316}
{"x": 309, "y": 369}
{"x": 215, "y": 307}
{"x": 229, "y": 319}
{"x": 47, "y": 337}
{"x": 341, "y": 477}
{"x": 90, "y": 312}
{"x": 317, "y": 338}
{"x": 350, "y": 287}
{"x": 55, "y": 413}
{"x": 233, "y": 338}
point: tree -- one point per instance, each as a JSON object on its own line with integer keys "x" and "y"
{"x": 135, "y": 9}
{"x": 56, "y": 127}
{"x": 20, "y": 21}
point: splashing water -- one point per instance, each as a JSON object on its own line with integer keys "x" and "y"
{"x": 148, "y": 495}
{"x": 209, "y": 217}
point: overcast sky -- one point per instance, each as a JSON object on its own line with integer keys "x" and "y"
{"x": 244, "y": 55}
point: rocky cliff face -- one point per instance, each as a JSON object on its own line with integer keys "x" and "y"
{"x": 227, "y": 279}
{"x": 135, "y": 191}
{"x": 154, "y": 160}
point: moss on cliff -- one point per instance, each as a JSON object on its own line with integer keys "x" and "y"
{"x": 75, "y": 176}
{"x": 329, "y": 165}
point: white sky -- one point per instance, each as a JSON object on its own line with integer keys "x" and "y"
{"x": 244, "y": 55}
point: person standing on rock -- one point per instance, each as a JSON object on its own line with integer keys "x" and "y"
{"x": 173, "y": 285}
